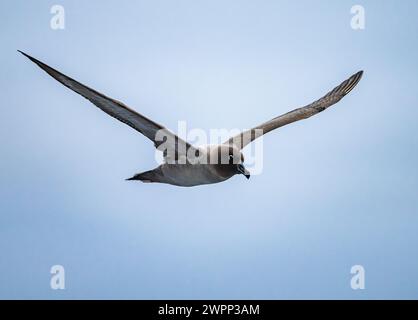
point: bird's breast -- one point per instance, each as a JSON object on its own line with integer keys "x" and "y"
{"x": 191, "y": 175}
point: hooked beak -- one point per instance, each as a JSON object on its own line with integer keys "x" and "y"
{"x": 241, "y": 169}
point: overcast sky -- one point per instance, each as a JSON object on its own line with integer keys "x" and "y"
{"x": 337, "y": 190}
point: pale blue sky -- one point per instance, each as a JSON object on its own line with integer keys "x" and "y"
{"x": 337, "y": 190}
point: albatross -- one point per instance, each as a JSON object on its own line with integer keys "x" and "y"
{"x": 184, "y": 164}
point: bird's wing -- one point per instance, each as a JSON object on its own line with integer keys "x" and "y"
{"x": 326, "y": 101}
{"x": 173, "y": 147}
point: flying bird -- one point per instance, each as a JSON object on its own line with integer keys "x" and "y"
{"x": 184, "y": 164}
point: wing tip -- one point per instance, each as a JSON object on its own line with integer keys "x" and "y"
{"x": 30, "y": 58}
{"x": 359, "y": 74}
{"x": 25, "y": 54}
{"x": 352, "y": 82}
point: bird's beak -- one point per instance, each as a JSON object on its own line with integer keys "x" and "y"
{"x": 242, "y": 170}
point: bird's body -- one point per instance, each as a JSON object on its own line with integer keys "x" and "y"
{"x": 184, "y": 175}
{"x": 209, "y": 170}
{"x": 186, "y": 165}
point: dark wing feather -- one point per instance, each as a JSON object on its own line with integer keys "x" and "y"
{"x": 121, "y": 112}
{"x": 320, "y": 105}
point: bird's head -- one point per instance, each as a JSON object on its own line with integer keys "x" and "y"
{"x": 229, "y": 161}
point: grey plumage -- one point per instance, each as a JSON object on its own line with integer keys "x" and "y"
{"x": 173, "y": 171}
{"x": 305, "y": 112}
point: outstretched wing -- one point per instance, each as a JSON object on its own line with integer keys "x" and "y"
{"x": 163, "y": 139}
{"x": 326, "y": 101}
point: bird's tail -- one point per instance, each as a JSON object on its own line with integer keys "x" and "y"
{"x": 147, "y": 176}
